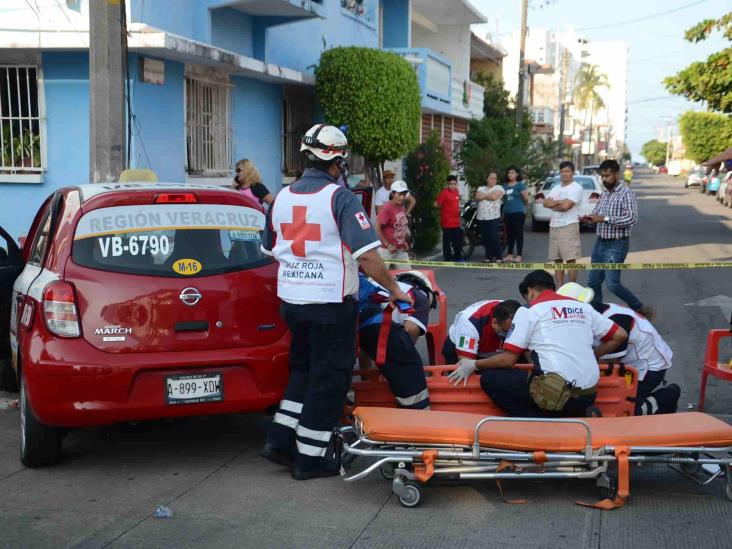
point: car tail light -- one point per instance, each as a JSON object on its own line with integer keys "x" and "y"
{"x": 594, "y": 197}
{"x": 175, "y": 198}
{"x": 59, "y": 309}
{"x": 539, "y": 196}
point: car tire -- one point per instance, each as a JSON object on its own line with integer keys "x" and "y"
{"x": 537, "y": 226}
{"x": 8, "y": 380}
{"x": 40, "y": 445}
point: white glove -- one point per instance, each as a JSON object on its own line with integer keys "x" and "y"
{"x": 465, "y": 368}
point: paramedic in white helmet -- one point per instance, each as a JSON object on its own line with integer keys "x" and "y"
{"x": 319, "y": 234}
{"x": 645, "y": 350}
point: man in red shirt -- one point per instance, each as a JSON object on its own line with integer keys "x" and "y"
{"x": 452, "y": 235}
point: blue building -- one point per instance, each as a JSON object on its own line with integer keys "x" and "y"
{"x": 210, "y": 82}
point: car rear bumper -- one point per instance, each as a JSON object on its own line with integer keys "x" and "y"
{"x": 89, "y": 387}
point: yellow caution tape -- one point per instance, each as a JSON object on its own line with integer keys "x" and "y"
{"x": 562, "y": 266}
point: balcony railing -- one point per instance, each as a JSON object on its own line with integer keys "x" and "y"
{"x": 435, "y": 76}
{"x": 467, "y": 99}
{"x": 542, "y": 116}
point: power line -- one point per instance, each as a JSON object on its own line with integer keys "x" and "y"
{"x": 644, "y": 18}
{"x": 648, "y": 99}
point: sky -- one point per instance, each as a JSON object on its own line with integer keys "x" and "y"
{"x": 657, "y": 46}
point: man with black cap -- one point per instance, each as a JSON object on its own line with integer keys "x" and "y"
{"x": 559, "y": 333}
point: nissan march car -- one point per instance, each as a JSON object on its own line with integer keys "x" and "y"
{"x": 143, "y": 301}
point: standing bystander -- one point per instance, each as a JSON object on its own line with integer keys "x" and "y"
{"x": 564, "y": 234}
{"x": 489, "y": 216}
{"x": 514, "y": 212}
{"x": 615, "y": 213}
{"x": 452, "y": 235}
{"x": 382, "y": 195}
{"x": 392, "y": 226}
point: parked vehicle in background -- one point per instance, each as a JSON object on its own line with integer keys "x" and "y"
{"x": 591, "y": 191}
{"x": 143, "y": 301}
{"x": 727, "y": 201}
{"x": 712, "y": 185}
{"x": 674, "y": 167}
{"x": 471, "y": 233}
{"x": 663, "y": 170}
{"x": 695, "y": 178}
{"x": 724, "y": 184}
{"x": 591, "y": 169}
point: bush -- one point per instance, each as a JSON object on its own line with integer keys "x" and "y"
{"x": 376, "y": 94}
{"x": 654, "y": 151}
{"x": 427, "y": 169}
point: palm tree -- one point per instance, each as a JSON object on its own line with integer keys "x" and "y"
{"x": 586, "y": 83}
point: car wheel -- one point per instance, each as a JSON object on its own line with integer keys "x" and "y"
{"x": 8, "y": 380}
{"x": 40, "y": 444}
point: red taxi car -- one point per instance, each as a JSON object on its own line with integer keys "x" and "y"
{"x": 142, "y": 301}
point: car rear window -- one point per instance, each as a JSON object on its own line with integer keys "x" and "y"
{"x": 171, "y": 240}
{"x": 588, "y": 183}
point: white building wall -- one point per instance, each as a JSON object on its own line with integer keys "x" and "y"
{"x": 451, "y": 42}
{"x": 612, "y": 59}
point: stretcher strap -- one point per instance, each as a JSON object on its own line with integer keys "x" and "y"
{"x": 425, "y": 470}
{"x": 621, "y": 454}
{"x": 504, "y": 465}
{"x": 383, "y": 336}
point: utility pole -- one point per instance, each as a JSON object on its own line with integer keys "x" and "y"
{"x": 668, "y": 143}
{"x": 107, "y": 28}
{"x": 522, "y": 64}
{"x": 563, "y": 101}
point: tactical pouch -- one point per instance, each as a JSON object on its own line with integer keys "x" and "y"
{"x": 550, "y": 391}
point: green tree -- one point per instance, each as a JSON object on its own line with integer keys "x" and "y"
{"x": 586, "y": 83}
{"x": 376, "y": 94}
{"x": 427, "y": 168}
{"x": 654, "y": 151}
{"x": 705, "y": 134}
{"x": 711, "y": 80}
{"x": 495, "y": 141}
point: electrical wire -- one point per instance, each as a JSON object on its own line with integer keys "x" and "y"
{"x": 644, "y": 18}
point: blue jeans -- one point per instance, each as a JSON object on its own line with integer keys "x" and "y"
{"x": 611, "y": 250}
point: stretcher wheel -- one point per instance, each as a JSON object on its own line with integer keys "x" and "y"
{"x": 728, "y": 491}
{"x": 387, "y": 471}
{"x": 691, "y": 468}
{"x": 411, "y": 494}
{"x": 607, "y": 486}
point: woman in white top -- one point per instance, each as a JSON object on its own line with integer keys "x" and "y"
{"x": 489, "y": 216}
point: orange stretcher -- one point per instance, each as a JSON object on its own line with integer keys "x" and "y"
{"x": 616, "y": 391}
{"x": 413, "y": 446}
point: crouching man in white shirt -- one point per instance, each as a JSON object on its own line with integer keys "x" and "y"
{"x": 559, "y": 333}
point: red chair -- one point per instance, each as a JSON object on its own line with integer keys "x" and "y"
{"x": 436, "y": 331}
{"x": 712, "y": 366}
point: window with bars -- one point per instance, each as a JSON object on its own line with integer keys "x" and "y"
{"x": 208, "y": 128}
{"x": 296, "y": 120}
{"x": 20, "y": 121}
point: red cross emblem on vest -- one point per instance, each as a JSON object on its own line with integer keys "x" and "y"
{"x": 300, "y": 230}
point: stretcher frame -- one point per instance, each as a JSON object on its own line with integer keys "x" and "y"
{"x": 409, "y": 466}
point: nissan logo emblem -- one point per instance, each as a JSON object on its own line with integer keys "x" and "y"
{"x": 190, "y": 296}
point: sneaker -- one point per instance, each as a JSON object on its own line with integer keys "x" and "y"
{"x": 275, "y": 455}
{"x": 328, "y": 469}
{"x": 667, "y": 398}
{"x": 648, "y": 312}
{"x": 593, "y": 411}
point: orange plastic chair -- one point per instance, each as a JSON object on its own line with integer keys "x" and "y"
{"x": 712, "y": 366}
{"x": 436, "y": 331}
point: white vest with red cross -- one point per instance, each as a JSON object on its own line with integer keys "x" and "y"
{"x": 308, "y": 247}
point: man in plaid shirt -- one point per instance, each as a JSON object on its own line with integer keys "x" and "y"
{"x": 616, "y": 212}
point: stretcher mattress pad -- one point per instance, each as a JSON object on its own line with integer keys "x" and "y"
{"x": 457, "y": 428}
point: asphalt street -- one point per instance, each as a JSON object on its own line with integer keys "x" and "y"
{"x": 207, "y": 471}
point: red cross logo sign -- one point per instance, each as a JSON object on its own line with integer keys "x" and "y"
{"x": 300, "y": 230}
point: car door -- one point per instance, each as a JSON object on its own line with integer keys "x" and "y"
{"x": 11, "y": 264}
{"x": 33, "y": 254}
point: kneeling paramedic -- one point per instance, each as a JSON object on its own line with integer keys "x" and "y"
{"x": 319, "y": 234}
{"x": 384, "y": 337}
{"x": 645, "y": 350}
{"x": 474, "y": 333}
{"x": 559, "y": 332}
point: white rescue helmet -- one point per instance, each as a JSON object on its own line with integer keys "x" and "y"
{"x": 325, "y": 142}
{"x": 406, "y": 275}
{"x": 576, "y": 291}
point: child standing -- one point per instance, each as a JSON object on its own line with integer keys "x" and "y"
{"x": 452, "y": 235}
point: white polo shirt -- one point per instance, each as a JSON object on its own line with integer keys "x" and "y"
{"x": 573, "y": 192}
{"x": 561, "y": 330}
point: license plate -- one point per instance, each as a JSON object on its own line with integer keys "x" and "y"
{"x": 194, "y": 388}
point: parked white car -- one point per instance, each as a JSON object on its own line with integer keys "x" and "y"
{"x": 723, "y": 186}
{"x": 695, "y": 177}
{"x": 592, "y": 189}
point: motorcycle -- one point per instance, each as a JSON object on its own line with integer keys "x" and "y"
{"x": 471, "y": 232}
